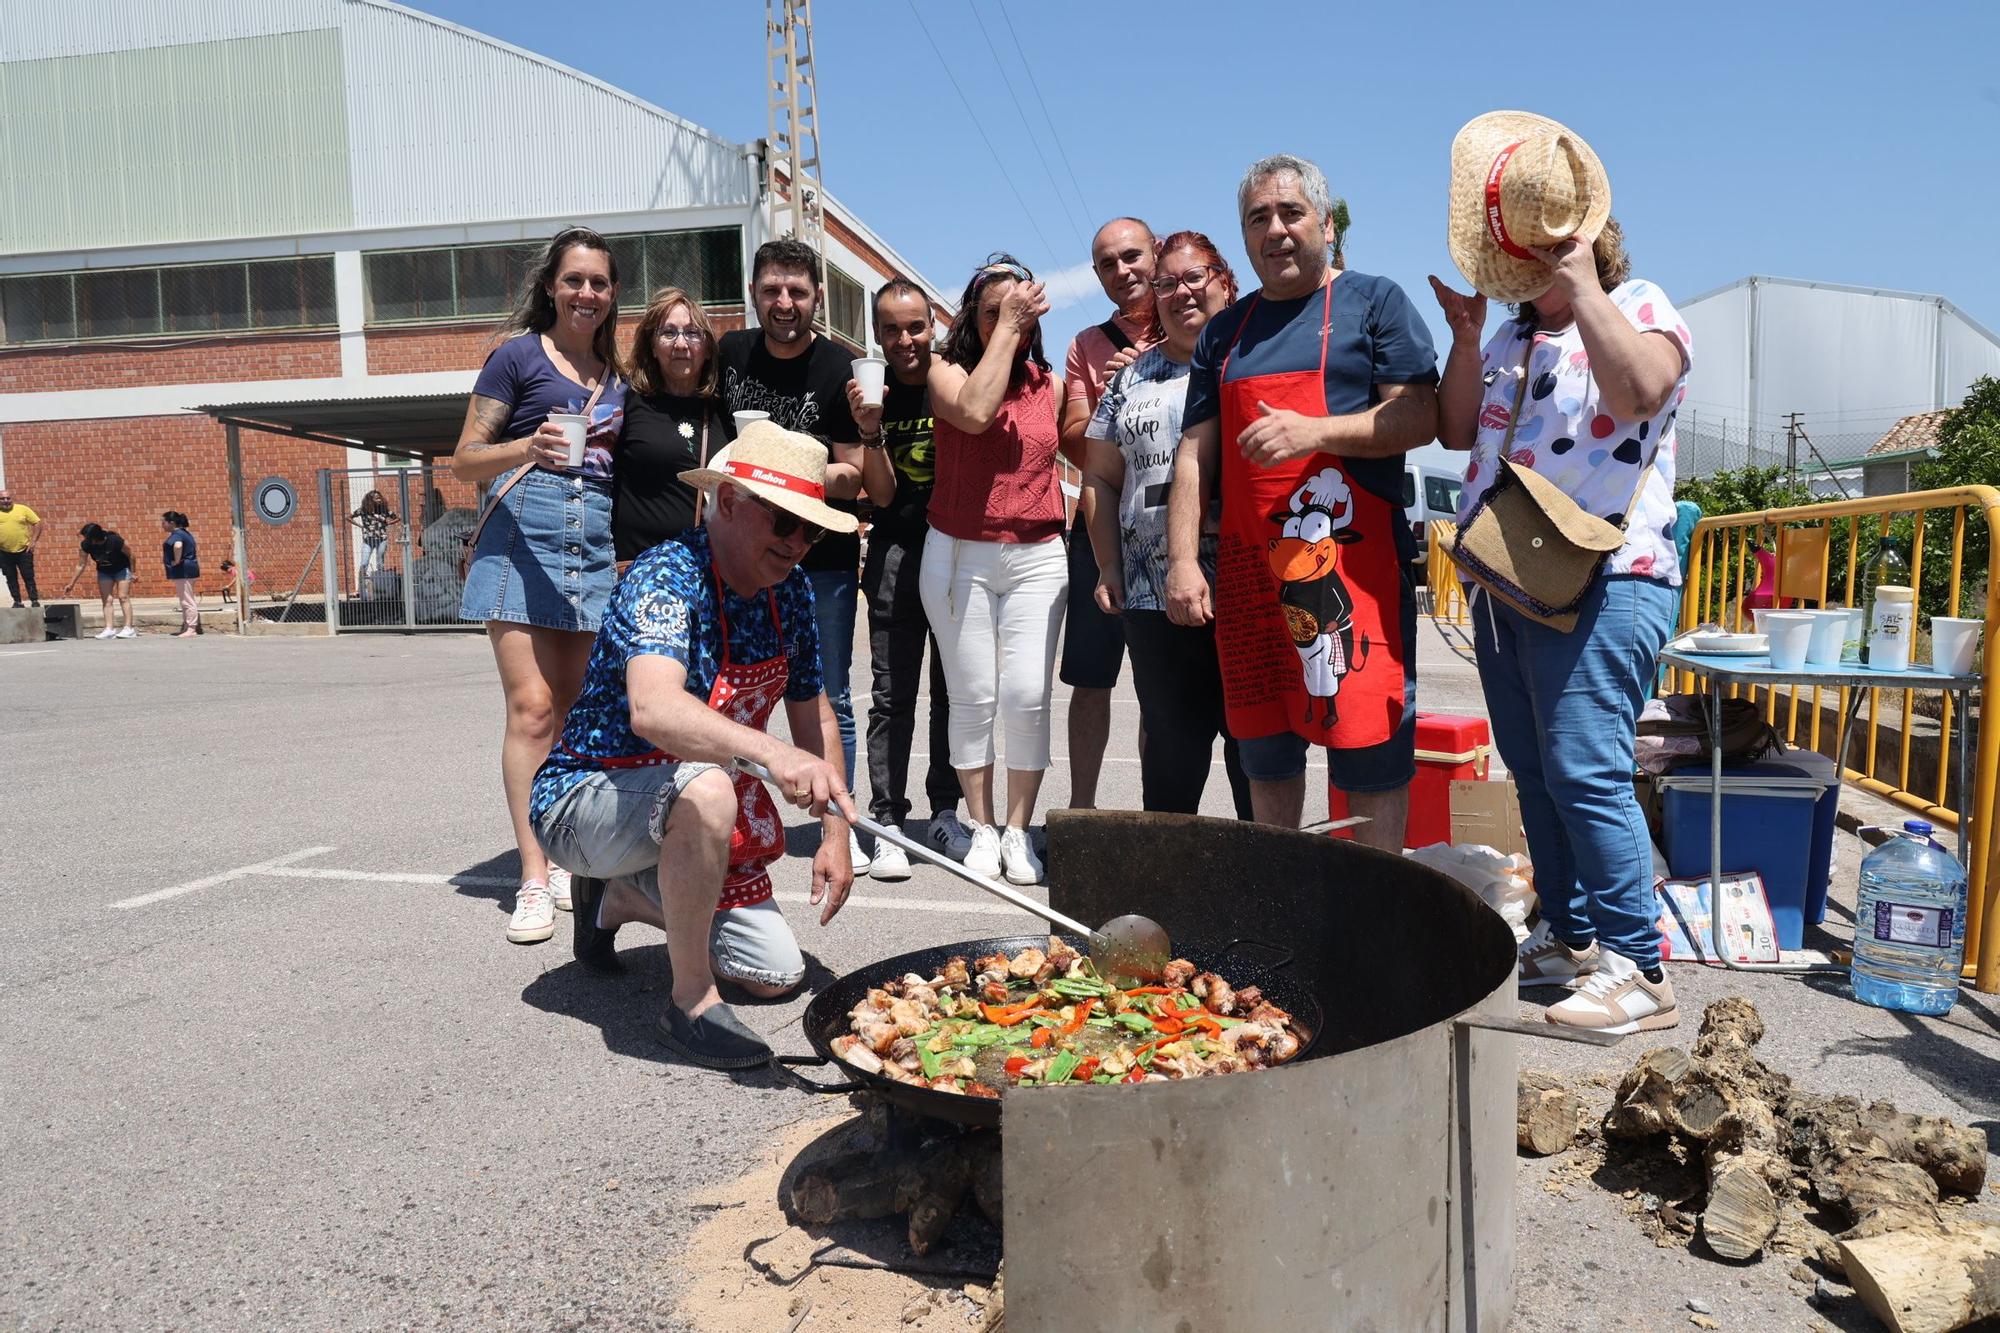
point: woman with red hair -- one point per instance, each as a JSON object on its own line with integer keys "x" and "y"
{"x": 1133, "y": 439}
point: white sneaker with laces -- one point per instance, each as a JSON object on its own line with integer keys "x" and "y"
{"x": 128, "y": 633}
{"x": 891, "y": 861}
{"x": 534, "y": 918}
{"x": 948, "y": 835}
{"x": 983, "y": 857}
{"x": 559, "y": 887}
{"x": 862, "y": 860}
{"x": 1617, "y": 998}
{"x": 106, "y": 633}
{"x": 1545, "y": 960}
{"x": 1017, "y": 857}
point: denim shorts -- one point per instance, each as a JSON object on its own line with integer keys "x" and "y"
{"x": 1387, "y": 766}
{"x": 609, "y": 826}
{"x": 108, "y": 583}
{"x": 1093, "y": 647}
{"x": 545, "y": 557}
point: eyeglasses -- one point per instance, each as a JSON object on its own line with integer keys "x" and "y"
{"x": 785, "y": 524}
{"x": 680, "y": 335}
{"x": 1195, "y": 277}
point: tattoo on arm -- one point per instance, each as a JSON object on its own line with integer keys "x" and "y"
{"x": 485, "y": 418}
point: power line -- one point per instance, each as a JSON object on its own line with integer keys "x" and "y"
{"x": 965, "y": 101}
{"x": 1053, "y": 132}
{"x": 1028, "y": 129}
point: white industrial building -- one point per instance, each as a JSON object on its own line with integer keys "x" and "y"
{"x": 308, "y": 215}
{"x": 1850, "y": 361}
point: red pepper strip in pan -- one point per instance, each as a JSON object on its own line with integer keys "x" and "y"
{"x": 1007, "y": 1015}
{"x": 1151, "y": 990}
{"x": 1042, "y": 1037}
{"x": 1083, "y": 1071}
{"x": 1206, "y": 1021}
{"x": 1016, "y": 1063}
{"x": 1171, "y": 1026}
{"x": 1075, "y": 1024}
{"x": 1137, "y": 1075}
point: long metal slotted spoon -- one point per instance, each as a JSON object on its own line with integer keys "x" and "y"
{"x": 1125, "y": 947}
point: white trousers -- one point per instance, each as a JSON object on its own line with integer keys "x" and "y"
{"x": 997, "y": 609}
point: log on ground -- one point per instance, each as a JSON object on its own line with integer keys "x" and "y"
{"x": 1545, "y": 1114}
{"x": 1927, "y": 1280}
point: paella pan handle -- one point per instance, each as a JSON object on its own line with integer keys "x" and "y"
{"x": 1284, "y": 955}
{"x": 782, "y": 1064}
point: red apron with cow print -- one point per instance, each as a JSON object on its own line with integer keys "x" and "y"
{"x": 1308, "y": 616}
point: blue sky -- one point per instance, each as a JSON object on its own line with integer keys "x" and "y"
{"x": 1837, "y": 142}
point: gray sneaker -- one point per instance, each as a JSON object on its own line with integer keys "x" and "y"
{"x": 948, "y": 835}
{"x": 1547, "y": 961}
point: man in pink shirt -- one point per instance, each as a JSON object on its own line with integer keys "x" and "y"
{"x": 1094, "y": 643}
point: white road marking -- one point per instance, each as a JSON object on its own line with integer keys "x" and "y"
{"x": 210, "y": 881}
{"x": 277, "y": 870}
{"x": 28, "y": 652}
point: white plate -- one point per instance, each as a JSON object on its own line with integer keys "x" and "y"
{"x": 1734, "y": 645}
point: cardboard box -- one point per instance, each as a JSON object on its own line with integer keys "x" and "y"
{"x": 1488, "y": 813}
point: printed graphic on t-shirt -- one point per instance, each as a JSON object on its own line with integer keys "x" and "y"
{"x": 1140, "y": 412}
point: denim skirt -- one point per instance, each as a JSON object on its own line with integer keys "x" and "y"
{"x": 544, "y": 557}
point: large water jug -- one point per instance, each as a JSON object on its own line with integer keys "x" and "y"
{"x": 1909, "y": 926}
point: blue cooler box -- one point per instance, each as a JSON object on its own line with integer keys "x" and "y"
{"x": 1777, "y": 819}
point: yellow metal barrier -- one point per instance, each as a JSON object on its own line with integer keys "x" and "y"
{"x": 1721, "y": 569}
{"x": 1447, "y": 593}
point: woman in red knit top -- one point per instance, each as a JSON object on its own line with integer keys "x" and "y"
{"x": 995, "y": 574}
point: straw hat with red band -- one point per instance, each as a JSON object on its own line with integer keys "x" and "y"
{"x": 1518, "y": 181}
{"x": 778, "y": 465}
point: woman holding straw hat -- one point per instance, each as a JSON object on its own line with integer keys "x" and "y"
{"x": 1579, "y": 388}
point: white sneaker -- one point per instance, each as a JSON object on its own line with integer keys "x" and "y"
{"x": 1017, "y": 856}
{"x": 1618, "y": 998}
{"x": 860, "y": 858}
{"x": 128, "y": 633}
{"x": 106, "y": 633}
{"x": 534, "y": 918}
{"x": 983, "y": 856}
{"x": 559, "y": 887}
{"x": 891, "y": 861}
{"x": 948, "y": 835}
{"x": 1544, "y": 960}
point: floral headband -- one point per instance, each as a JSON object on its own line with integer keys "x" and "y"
{"x": 988, "y": 272}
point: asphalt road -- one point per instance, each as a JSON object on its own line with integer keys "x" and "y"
{"x": 268, "y": 1060}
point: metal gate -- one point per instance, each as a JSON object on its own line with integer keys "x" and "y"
{"x": 407, "y": 581}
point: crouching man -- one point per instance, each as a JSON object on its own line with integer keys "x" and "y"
{"x": 704, "y": 636}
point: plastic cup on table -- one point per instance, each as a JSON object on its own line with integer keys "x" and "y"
{"x": 1955, "y": 645}
{"x": 1758, "y": 615}
{"x": 870, "y": 373}
{"x": 1829, "y": 632}
{"x": 743, "y": 419}
{"x": 1790, "y": 633}
{"x": 575, "y": 431}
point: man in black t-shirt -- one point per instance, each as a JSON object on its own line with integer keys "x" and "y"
{"x": 902, "y": 465}
{"x": 785, "y": 369}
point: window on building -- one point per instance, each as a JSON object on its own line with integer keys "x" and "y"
{"x": 480, "y": 281}
{"x": 101, "y": 304}
{"x": 845, "y": 314}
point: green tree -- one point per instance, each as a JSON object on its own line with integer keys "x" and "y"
{"x": 1742, "y": 490}
{"x": 1968, "y": 454}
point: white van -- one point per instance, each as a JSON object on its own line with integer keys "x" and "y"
{"x": 1433, "y": 476}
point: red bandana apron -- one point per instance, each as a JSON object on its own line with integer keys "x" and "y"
{"x": 745, "y": 693}
{"x": 1308, "y": 616}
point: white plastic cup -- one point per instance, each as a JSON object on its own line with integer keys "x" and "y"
{"x": 1790, "y": 634}
{"x": 1850, "y": 644}
{"x": 743, "y": 419}
{"x": 869, "y": 373}
{"x": 1829, "y": 633}
{"x": 1955, "y": 645}
{"x": 575, "y": 431}
{"x": 1757, "y": 615}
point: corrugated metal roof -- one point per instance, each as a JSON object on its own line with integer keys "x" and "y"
{"x": 251, "y": 154}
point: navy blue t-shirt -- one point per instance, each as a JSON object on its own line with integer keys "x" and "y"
{"x": 520, "y": 374}
{"x": 1376, "y": 337}
{"x": 189, "y": 566}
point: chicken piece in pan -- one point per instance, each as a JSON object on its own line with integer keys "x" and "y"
{"x": 954, "y": 974}
{"x": 1214, "y": 993}
{"x": 1027, "y": 963}
{"x": 1178, "y": 973}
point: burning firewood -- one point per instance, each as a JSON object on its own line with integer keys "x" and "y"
{"x": 852, "y": 1185}
{"x": 1545, "y": 1114}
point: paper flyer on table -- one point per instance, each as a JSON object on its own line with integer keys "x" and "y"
{"x": 1748, "y": 932}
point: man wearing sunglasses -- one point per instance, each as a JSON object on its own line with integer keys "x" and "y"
{"x": 705, "y": 636}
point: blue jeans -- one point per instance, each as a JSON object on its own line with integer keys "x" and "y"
{"x": 833, "y": 606}
{"x": 1565, "y": 710}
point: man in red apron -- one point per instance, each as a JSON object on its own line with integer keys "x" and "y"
{"x": 1302, "y": 399}
{"x": 705, "y": 636}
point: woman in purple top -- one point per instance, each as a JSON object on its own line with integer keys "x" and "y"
{"x": 542, "y": 569}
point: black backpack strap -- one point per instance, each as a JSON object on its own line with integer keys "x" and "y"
{"x": 1112, "y": 329}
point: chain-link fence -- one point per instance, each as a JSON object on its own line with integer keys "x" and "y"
{"x": 395, "y": 539}
{"x": 1711, "y": 442}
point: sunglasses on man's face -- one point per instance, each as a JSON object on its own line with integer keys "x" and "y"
{"x": 785, "y": 524}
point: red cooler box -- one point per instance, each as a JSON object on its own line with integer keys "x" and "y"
{"x": 1449, "y": 749}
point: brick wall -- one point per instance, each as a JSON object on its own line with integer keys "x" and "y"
{"x": 464, "y": 346}
{"x": 136, "y": 365}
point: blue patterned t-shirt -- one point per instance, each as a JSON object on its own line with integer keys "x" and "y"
{"x": 666, "y": 606}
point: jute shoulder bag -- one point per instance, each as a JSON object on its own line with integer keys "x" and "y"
{"x": 471, "y": 540}
{"x": 1529, "y": 544}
